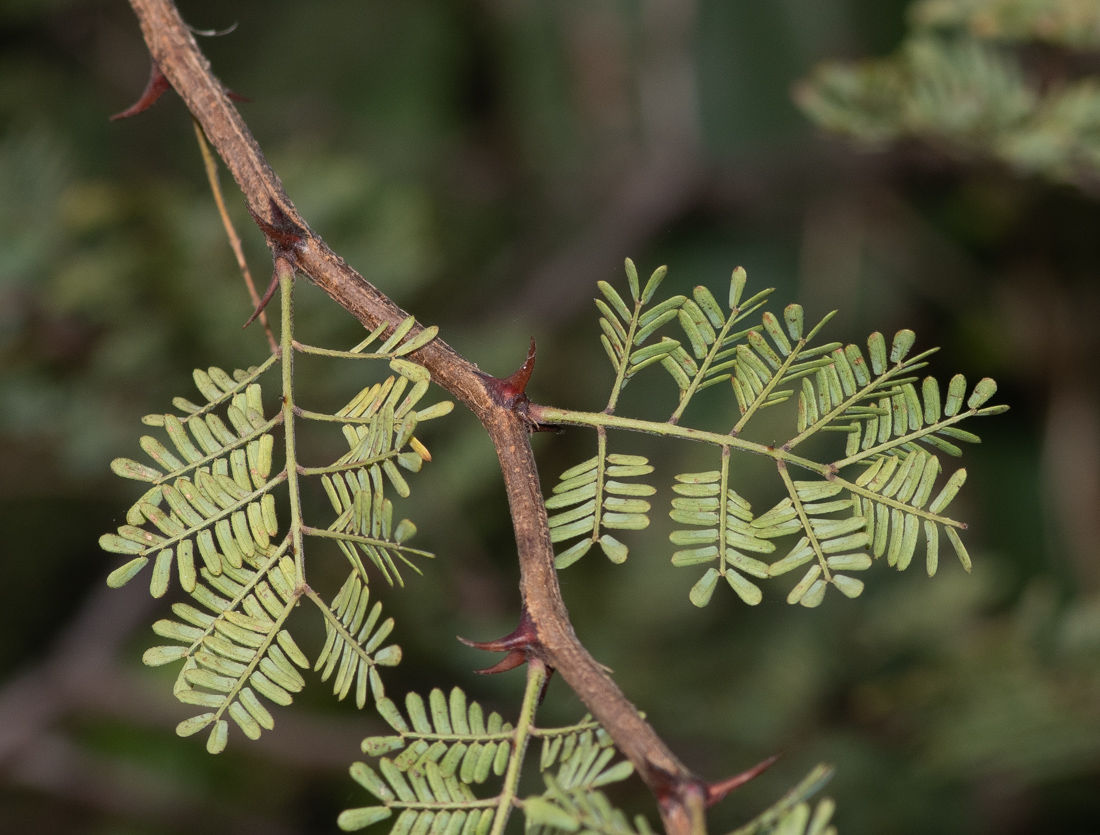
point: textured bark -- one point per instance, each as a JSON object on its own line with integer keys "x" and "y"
{"x": 680, "y": 793}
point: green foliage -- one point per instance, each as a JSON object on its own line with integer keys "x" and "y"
{"x": 430, "y": 774}
{"x": 957, "y": 81}
{"x": 213, "y": 496}
{"x": 844, "y": 520}
{"x": 448, "y": 749}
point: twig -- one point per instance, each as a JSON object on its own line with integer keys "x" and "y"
{"x": 680, "y": 793}
{"x": 211, "y": 166}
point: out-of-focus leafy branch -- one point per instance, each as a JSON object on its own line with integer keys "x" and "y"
{"x": 968, "y": 79}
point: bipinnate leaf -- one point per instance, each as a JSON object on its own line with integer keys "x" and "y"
{"x": 895, "y": 427}
{"x": 208, "y": 516}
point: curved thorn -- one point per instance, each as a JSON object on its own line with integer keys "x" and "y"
{"x": 518, "y": 379}
{"x": 509, "y": 662}
{"x": 154, "y": 89}
{"x": 716, "y": 791}
{"x": 520, "y": 638}
{"x": 516, "y": 643}
{"x": 271, "y": 288}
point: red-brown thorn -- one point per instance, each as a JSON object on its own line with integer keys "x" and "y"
{"x": 516, "y": 643}
{"x": 158, "y": 83}
{"x": 716, "y": 791}
{"x": 510, "y": 391}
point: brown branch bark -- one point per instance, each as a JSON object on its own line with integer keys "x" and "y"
{"x": 679, "y": 792}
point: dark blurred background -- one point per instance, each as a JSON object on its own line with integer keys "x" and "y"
{"x": 485, "y": 162}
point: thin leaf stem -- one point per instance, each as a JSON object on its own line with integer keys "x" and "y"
{"x": 715, "y": 348}
{"x": 601, "y": 470}
{"x": 211, "y": 166}
{"x": 902, "y": 439}
{"x": 723, "y": 500}
{"x": 776, "y": 379}
{"x": 366, "y": 540}
{"x": 628, "y": 344}
{"x": 350, "y": 465}
{"x": 549, "y": 733}
{"x": 804, "y": 519}
{"x": 567, "y": 417}
{"x": 347, "y": 355}
{"x": 536, "y": 677}
{"x": 321, "y": 416}
{"x": 286, "y": 288}
{"x": 338, "y": 625}
{"x": 902, "y": 506}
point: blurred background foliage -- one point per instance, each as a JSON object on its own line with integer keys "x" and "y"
{"x": 485, "y": 162}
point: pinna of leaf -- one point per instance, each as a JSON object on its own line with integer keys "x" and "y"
{"x": 209, "y": 513}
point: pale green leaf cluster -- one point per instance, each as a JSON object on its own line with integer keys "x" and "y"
{"x": 353, "y": 643}
{"x": 235, "y": 650}
{"x": 560, "y": 811}
{"x": 212, "y": 485}
{"x": 626, "y": 328}
{"x": 598, "y": 498}
{"x": 883, "y": 497}
{"x": 378, "y": 425}
{"x": 209, "y": 517}
{"x": 957, "y": 81}
{"x": 450, "y": 768}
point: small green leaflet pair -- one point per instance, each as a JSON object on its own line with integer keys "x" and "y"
{"x": 212, "y": 495}
{"x": 895, "y": 424}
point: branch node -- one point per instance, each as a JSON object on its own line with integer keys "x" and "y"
{"x": 285, "y": 239}
{"x": 284, "y": 236}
